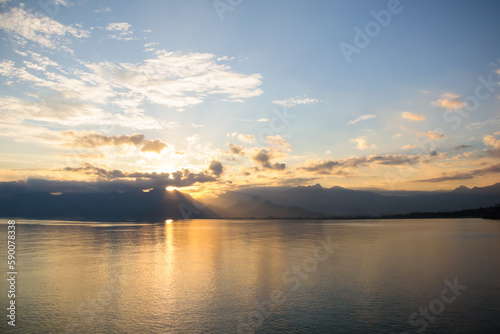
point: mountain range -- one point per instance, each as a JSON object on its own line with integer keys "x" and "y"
{"x": 337, "y": 201}
{"x": 277, "y": 202}
{"x": 157, "y": 204}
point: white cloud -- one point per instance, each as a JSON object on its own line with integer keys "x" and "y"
{"x": 432, "y": 135}
{"x": 120, "y": 31}
{"x": 244, "y": 138}
{"x": 361, "y": 118}
{"x": 412, "y": 117}
{"x": 40, "y": 29}
{"x": 362, "y": 144}
{"x": 449, "y": 101}
{"x": 171, "y": 79}
{"x": 178, "y": 80}
{"x": 103, "y": 10}
{"x": 491, "y": 141}
{"x": 293, "y": 101}
{"x": 118, "y": 26}
{"x": 60, "y": 111}
{"x": 278, "y": 143}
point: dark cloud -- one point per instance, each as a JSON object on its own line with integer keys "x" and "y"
{"x": 494, "y": 153}
{"x": 236, "y": 150}
{"x": 394, "y": 160}
{"x": 182, "y": 177}
{"x": 493, "y": 169}
{"x": 90, "y": 169}
{"x": 112, "y": 180}
{"x": 132, "y": 182}
{"x": 94, "y": 139}
{"x": 335, "y": 167}
{"x": 461, "y": 147}
{"x": 263, "y": 158}
{"x": 154, "y": 146}
{"x": 216, "y": 167}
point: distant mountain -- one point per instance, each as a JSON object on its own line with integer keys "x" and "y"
{"x": 257, "y": 208}
{"x": 488, "y": 190}
{"x": 338, "y": 201}
{"x": 487, "y": 213}
{"x": 264, "y": 202}
{"x": 157, "y": 204}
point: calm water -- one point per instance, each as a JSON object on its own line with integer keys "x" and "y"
{"x": 218, "y": 276}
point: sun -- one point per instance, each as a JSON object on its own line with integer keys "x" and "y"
{"x": 170, "y": 188}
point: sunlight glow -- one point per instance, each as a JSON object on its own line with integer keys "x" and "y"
{"x": 169, "y": 221}
{"x": 170, "y": 188}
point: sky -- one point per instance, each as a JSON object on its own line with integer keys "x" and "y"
{"x": 208, "y": 96}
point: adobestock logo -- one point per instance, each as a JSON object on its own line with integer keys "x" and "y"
{"x": 292, "y": 280}
{"x": 436, "y": 306}
{"x": 372, "y": 29}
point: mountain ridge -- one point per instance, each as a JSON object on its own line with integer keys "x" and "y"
{"x": 278, "y": 202}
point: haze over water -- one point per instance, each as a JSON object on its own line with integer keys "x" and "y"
{"x": 218, "y": 276}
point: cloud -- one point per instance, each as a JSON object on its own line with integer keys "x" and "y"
{"x": 180, "y": 178}
{"x": 263, "y": 158}
{"x": 449, "y": 101}
{"x": 464, "y": 175}
{"x": 156, "y": 146}
{"x": 361, "y": 118}
{"x": 94, "y": 139}
{"x": 477, "y": 125}
{"x": 236, "y": 150}
{"x": 68, "y": 112}
{"x": 119, "y": 26}
{"x": 90, "y": 169}
{"x": 216, "y": 167}
{"x": 278, "y": 143}
{"x": 362, "y": 143}
{"x": 397, "y": 136}
{"x": 40, "y": 29}
{"x": 412, "y": 117}
{"x": 461, "y": 147}
{"x": 90, "y": 139}
{"x": 177, "y": 80}
{"x": 263, "y": 120}
{"x": 103, "y": 10}
{"x": 120, "y": 31}
{"x": 343, "y": 166}
{"x": 432, "y": 135}
{"x": 85, "y": 96}
{"x": 293, "y": 101}
{"x": 407, "y": 147}
{"x": 244, "y": 138}
{"x": 108, "y": 181}
{"x": 149, "y": 47}
{"x": 491, "y": 141}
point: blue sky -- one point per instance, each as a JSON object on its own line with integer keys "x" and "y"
{"x": 203, "y": 86}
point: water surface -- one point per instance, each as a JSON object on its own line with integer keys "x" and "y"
{"x": 268, "y": 276}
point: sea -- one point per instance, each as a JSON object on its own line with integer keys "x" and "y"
{"x": 252, "y": 276}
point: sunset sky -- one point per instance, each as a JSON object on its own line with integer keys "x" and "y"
{"x": 215, "y": 95}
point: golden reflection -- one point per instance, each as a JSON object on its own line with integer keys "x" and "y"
{"x": 169, "y": 221}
